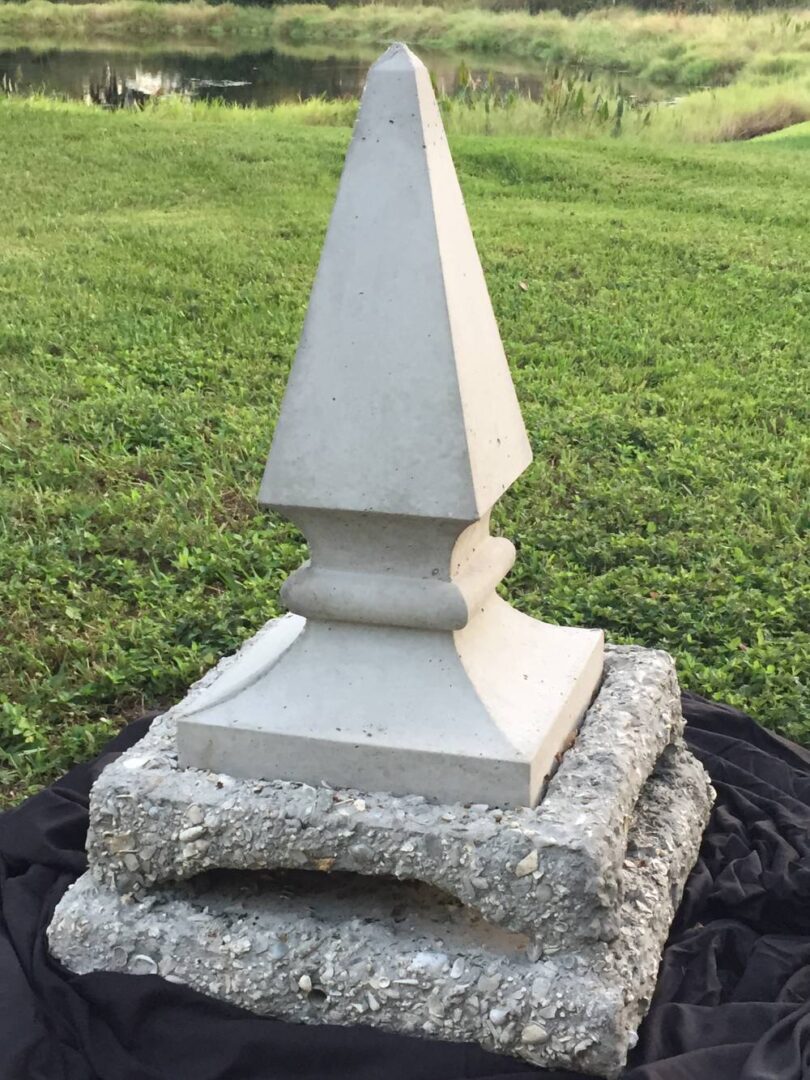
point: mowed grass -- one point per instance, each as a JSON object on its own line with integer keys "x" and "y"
{"x": 154, "y": 273}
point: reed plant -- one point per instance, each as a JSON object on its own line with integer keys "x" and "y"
{"x": 567, "y": 103}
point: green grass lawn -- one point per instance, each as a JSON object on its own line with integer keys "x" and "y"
{"x": 799, "y": 134}
{"x": 154, "y": 272}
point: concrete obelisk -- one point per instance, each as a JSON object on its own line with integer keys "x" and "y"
{"x": 402, "y": 670}
{"x": 377, "y": 754}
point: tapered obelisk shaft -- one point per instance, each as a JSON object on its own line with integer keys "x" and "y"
{"x": 400, "y": 399}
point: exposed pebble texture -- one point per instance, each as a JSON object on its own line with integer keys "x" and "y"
{"x": 337, "y": 948}
{"x": 536, "y": 932}
{"x": 553, "y": 872}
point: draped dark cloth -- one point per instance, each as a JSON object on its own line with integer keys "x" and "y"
{"x": 733, "y": 994}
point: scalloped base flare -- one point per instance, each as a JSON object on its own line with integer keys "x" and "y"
{"x": 475, "y": 715}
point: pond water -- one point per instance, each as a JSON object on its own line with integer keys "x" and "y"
{"x": 260, "y": 78}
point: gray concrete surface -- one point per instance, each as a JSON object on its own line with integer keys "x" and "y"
{"x": 399, "y": 402}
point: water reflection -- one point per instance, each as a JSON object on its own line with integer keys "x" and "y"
{"x": 262, "y": 78}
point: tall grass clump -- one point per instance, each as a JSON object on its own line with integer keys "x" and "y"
{"x": 133, "y": 20}
{"x": 663, "y": 47}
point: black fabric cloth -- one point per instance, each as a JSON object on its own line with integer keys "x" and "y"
{"x": 732, "y": 1001}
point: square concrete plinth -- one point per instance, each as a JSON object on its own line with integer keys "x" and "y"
{"x": 475, "y": 714}
{"x": 535, "y": 932}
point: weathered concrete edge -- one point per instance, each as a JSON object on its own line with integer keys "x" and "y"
{"x": 577, "y": 1009}
{"x": 554, "y": 871}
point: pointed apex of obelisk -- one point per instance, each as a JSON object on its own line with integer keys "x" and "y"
{"x": 397, "y": 57}
{"x": 400, "y": 399}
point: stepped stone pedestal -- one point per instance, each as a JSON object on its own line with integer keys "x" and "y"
{"x": 404, "y": 804}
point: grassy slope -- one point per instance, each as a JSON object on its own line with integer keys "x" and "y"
{"x": 799, "y": 136}
{"x": 154, "y": 270}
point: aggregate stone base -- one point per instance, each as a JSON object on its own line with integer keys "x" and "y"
{"x": 536, "y": 932}
{"x": 553, "y": 871}
{"x": 342, "y": 948}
